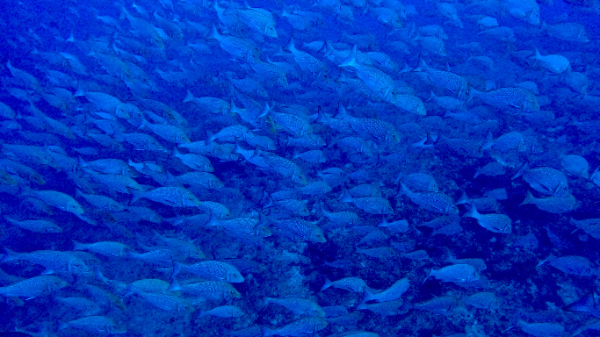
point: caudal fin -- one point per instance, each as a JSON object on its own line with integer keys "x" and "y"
{"x": 327, "y": 284}
{"x": 188, "y": 97}
{"x": 351, "y": 61}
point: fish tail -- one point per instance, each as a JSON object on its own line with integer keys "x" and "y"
{"x": 422, "y": 65}
{"x": 528, "y": 199}
{"x": 137, "y": 195}
{"x": 188, "y": 97}
{"x": 327, "y": 284}
{"x": 351, "y": 61}
{"x": 78, "y": 245}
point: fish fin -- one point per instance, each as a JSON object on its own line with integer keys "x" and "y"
{"x": 327, "y": 284}
{"x": 351, "y": 61}
{"x": 188, "y": 97}
{"x": 431, "y": 273}
{"x": 528, "y": 199}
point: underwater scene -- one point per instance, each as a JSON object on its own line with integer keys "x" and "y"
{"x": 348, "y": 168}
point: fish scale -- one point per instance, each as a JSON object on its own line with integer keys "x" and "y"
{"x": 285, "y": 168}
{"x": 456, "y": 84}
{"x": 508, "y": 98}
{"x": 295, "y": 125}
{"x": 306, "y": 61}
{"x": 92, "y": 324}
{"x": 215, "y": 291}
{"x": 170, "y": 196}
{"x": 33, "y": 287}
{"x": 301, "y": 230}
{"x": 212, "y": 271}
{"x": 259, "y": 20}
{"x": 432, "y": 201}
{"x": 379, "y": 82}
{"x": 237, "y": 47}
{"x": 375, "y": 128}
{"x": 118, "y": 89}
{"x": 547, "y": 180}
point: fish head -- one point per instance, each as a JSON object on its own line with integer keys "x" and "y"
{"x": 320, "y": 325}
{"x": 534, "y": 17}
{"x": 562, "y": 190}
{"x": 181, "y": 138}
{"x": 317, "y": 312}
{"x": 464, "y": 91}
{"x": 54, "y": 229}
{"x": 299, "y": 178}
{"x": 253, "y": 55}
{"x": 393, "y": 136}
{"x": 531, "y": 103}
{"x": 74, "y": 208}
{"x": 270, "y": 32}
{"x": 318, "y": 236}
{"x": 441, "y": 51}
{"x": 158, "y": 42}
{"x": 57, "y": 284}
{"x": 231, "y": 293}
{"x": 77, "y": 266}
{"x": 234, "y": 277}
{"x": 263, "y": 232}
{"x": 282, "y": 80}
{"x": 473, "y": 276}
{"x": 190, "y": 200}
{"x": 582, "y": 37}
{"x": 452, "y": 209}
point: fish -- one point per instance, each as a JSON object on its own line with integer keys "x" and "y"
{"x": 34, "y": 287}
{"x": 224, "y": 311}
{"x": 171, "y": 196}
{"x": 381, "y": 84}
{"x": 299, "y": 306}
{"x": 173, "y": 161}
{"x": 307, "y": 63}
{"x": 300, "y": 230}
{"x": 53, "y": 261}
{"x": 390, "y": 308}
{"x": 571, "y": 264}
{"x": 541, "y": 329}
{"x": 353, "y": 284}
{"x": 515, "y": 98}
{"x": 444, "y": 79}
{"x": 456, "y": 273}
{"x": 106, "y": 248}
{"x": 93, "y": 324}
{"x": 36, "y": 225}
{"x": 527, "y": 11}
{"x": 554, "y": 63}
{"x": 81, "y": 304}
{"x": 214, "y": 291}
{"x": 258, "y": 19}
{"x": 494, "y": 222}
{"x": 371, "y": 205}
{"x": 301, "y": 327}
{"x": 431, "y": 201}
{"x": 237, "y": 47}
{"x": 393, "y": 293}
{"x": 566, "y": 31}
{"x": 211, "y": 270}
{"x": 483, "y": 300}
{"x": 553, "y": 204}
{"x": 546, "y": 180}
{"x": 57, "y": 199}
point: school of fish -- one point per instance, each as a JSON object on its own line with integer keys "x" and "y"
{"x": 303, "y": 168}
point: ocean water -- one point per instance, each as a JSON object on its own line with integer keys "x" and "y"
{"x": 306, "y": 168}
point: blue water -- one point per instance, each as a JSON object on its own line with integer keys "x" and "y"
{"x": 301, "y": 153}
